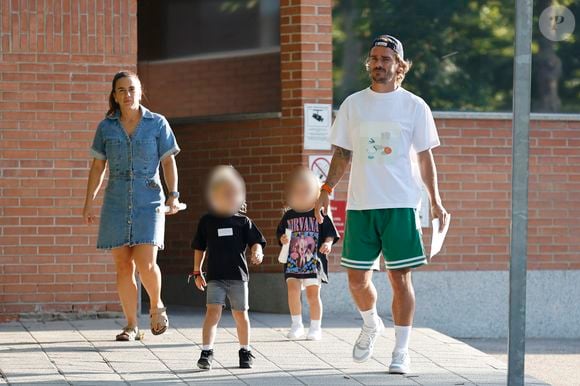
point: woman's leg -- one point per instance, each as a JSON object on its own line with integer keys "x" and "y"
{"x": 145, "y": 257}
{"x": 314, "y": 301}
{"x": 126, "y": 284}
{"x": 213, "y": 315}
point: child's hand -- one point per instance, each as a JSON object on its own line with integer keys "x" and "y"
{"x": 284, "y": 239}
{"x": 200, "y": 282}
{"x": 257, "y": 254}
{"x": 326, "y": 247}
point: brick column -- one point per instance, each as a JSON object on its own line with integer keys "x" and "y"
{"x": 306, "y": 54}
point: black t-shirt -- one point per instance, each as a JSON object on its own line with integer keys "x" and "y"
{"x": 225, "y": 239}
{"x": 304, "y": 259}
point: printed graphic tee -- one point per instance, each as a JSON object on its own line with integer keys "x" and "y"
{"x": 304, "y": 259}
{"x": 225, "y": 240}
{"x": 384, "y": 131}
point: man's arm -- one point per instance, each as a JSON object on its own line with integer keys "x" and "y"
{"x": 340, "y": 160}
{"x": 429, "y": 177}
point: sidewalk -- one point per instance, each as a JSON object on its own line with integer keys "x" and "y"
{"x": 82, "y": 353}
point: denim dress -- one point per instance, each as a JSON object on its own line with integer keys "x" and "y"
{"x": 134, "y": 191}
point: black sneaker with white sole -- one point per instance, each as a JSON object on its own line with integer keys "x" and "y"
{"x": 205, "y": 360}
{"x": 246, "y": 359}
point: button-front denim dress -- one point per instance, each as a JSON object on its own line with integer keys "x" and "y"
{"x": 134, "y": 191}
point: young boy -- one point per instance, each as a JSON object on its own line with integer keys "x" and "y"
{"x": 222, "y": 237}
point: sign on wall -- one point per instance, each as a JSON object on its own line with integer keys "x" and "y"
{"x": 320, "y": 165}
{"x": 317, "y": 123}
{"x": 338, "y": 214}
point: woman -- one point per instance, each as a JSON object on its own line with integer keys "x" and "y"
{"x": 133, "y": 141}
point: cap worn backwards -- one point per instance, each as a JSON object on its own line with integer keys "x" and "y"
{"x": 391, "y": 42}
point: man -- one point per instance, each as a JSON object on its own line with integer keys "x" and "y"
{"x": 381, "y": 129}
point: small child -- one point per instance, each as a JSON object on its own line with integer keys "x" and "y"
{"x": 306, "y": 265}
{"x": 222, "y": 237}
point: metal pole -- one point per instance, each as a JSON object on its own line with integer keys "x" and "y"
{"x": 519, "y": 223}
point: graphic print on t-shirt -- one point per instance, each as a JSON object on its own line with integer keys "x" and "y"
{"x": 303, "y": 258}
{"x": 380, "y": 141}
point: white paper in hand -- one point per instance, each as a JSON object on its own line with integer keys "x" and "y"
{"x": 283, "y": 257}
{"x": 438, "y": 236}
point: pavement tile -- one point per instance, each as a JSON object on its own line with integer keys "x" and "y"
{"x": 83, "y": 352}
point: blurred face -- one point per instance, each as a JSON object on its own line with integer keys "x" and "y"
{"x": 303, "y": 194}
{"x": 128, "y": 93}
{"x": 226, "y": 197}
{"x": 382, "y": 64}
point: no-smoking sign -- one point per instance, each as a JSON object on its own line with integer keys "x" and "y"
{"x": 320, "y": 165}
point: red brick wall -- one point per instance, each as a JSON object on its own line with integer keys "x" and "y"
{"x": 56, "y": 62}
{"x": 263, "y": 150}
{"x": 474, "y": 165}
{"x": 200, "y": 87}
{"x": 475, "y": 178}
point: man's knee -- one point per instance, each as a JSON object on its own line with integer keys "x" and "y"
{"x": 358, "y": 280}
{"x": 400, "y": 279}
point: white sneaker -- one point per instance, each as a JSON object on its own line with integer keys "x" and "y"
{"x": 296, "y": 331}
{"x": 314, "y": 334}
{"x": 364, "y": 345}
{"x": 401, "y": 363}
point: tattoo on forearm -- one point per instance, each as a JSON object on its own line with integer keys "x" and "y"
{"x": 340, "y": 161}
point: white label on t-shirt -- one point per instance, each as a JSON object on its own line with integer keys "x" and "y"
{"x": 225, "y": 232}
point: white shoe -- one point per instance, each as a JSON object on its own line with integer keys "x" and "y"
{"x": 401, "y": 363}
{"x": 314, "y": 334}
{"x": 364, "y": 345}
{"x": 296, "y": 331}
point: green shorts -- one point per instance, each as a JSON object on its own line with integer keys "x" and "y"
{"x": 396, "y": 232}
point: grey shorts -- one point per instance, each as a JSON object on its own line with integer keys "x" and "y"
{"x": 236, "y": 291}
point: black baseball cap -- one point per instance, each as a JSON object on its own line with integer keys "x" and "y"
{"x": 391, "y": 42}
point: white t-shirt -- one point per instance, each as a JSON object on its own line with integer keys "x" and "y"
{"x": 384, "y": 131}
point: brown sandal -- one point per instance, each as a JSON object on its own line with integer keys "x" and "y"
{"x": 129, "y": 334}
{"x": 159, "y": 321}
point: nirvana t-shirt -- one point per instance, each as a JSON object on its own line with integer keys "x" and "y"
{"x": 384, "y": 131}
{"x": 304, "y": 259}
{"x": 225, "y": 240}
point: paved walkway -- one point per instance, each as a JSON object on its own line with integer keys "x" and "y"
{"x": 82, "y": 353}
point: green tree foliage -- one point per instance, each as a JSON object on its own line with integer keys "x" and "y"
{"x": 462, "y": 51}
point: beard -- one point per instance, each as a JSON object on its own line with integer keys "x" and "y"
{"x": 380, "y": 75}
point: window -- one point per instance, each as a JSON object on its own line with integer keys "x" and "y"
{"x": 462, "y": 53}
{"x": 181, "y": 28}
{"x": 210, "y": 57}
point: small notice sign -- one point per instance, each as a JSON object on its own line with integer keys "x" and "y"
{"x": 338, "y": 211}
{"x": 320, "y": 165}
{"x": 317, "y": 123}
